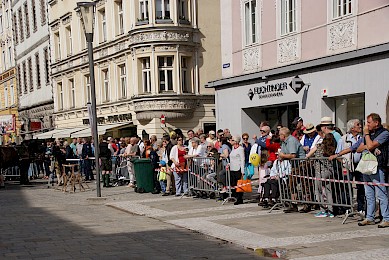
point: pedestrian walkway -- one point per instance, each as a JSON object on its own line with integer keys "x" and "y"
{"x": 43, "y": 223}
{"x": 293, "y": 235}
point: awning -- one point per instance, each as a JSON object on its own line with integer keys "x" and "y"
{"x": 102, "y": 129}
{"x": 48, "y": 134}
{"x": 68, "y": 132}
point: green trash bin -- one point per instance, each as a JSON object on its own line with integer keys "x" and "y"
{"x": 144, "y": 175}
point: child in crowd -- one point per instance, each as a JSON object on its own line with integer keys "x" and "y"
{"x": 162, "y": 176}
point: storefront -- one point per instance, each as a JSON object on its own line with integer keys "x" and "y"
{"x": 345, "y": 89}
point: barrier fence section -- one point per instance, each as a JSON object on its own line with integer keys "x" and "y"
{"x": 317, "y": 181}
{"x": 206, "y": 174}
{"x": 11, "y": 172}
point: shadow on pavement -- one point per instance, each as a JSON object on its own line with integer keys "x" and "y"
{"x": 38, "y": 224}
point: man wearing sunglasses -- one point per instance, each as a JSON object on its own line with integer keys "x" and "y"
{"x": 261, "y": 141}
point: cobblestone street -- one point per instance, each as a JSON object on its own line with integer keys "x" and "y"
{"x": 41, "y": 223}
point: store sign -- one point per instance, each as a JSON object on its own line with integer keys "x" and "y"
{"x": 268, "y": 91}
{"x": 297, "y": 84}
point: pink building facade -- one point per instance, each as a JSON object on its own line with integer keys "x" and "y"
{"x": 287, "y": 58}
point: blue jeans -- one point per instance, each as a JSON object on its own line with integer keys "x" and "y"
{"x": 163, "y": 185}
{"x": 381, "y": 192}
{"x": 181, "y": 182}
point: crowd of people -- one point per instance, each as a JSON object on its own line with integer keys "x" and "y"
{"x": 171, "y": 154}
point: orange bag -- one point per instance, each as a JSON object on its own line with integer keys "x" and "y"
{"x": 247, "y": 186}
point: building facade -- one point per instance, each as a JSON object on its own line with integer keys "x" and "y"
{"x": 9, "y": 119}
{"x": 288, "y": 58}
{"x": 31, "y": 37}
{"x": 152, "y": 58}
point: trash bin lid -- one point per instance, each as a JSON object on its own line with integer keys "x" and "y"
{"x": 142, "y": 160}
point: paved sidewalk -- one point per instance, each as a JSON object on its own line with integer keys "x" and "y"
{"x": 41, "y": 223}
{"x": 293, "y": 236}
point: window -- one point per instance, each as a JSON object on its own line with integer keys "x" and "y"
{"x": 143, "y": 10}
{"x": 30, "y": 76}
{"x": 183, "y": 9}
{"x": 69, "y": 44}
{"x": 57, "y": 42}
{"x": 1, "y": 21}
{"x": 6, "y": 18}
{"x": 21, "y": 24}
{"x": 24, "y": 77}
{"x": 146, "y": 78}
{"x": 185, "y": 79}
{"x": 106, "y": 85}
{"x": 119, "y": 5}
{"x": 12, "y": 94}
{"x": 87, "y": 89}
{"x": 4, "y": 60}
{"x": 34, "y": 24}
{"x": 72, "y": 93}
{"x": 162, "y": 9}
{"x": 250, "y": 22}
{"x": 103, "y": 25}
{"x": 38, "y": 70}
{"x": 15, "y": 21}
{"x": 123, "y": 81}
{"x": 43, "y": 12}
{"x": 5, "y": 95}
{"x": 165, "y": 68}
{"x": 288, "y": 16}
{"x": 60, "y": 95}
{"x": 46, "y": 55}
{"x": 342, "y": 8}
{"x": 10, "y": 55}
{"x": 19, "y": 80}
{"x": 27, "y": 20}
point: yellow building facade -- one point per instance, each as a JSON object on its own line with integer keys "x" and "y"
{"x": 152, "y": 58}
{"x": 9, "y": 119}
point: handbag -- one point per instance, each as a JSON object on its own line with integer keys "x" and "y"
{"x": 368, "y": 164}
{"x": 248, "y": 172}
{"x": 246, "y": 188}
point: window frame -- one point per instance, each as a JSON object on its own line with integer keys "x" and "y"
{"x": 123, "y": 81}
{"x": 6, "y": 100}
{"x": 105, "y": 78}
{"x": 60, "y": 96}
{"x": 27, "y": 20}
{"x": 72, "y": 90}
{"x": 250, "y": 29}
{"x": 164, "y": 4}
{"x": 144, "y": 10}
{"x": 34, "y": 16}
{"x": 339, "y": 6}
{"x": 286, "y": 19}
{"x": 38, "y": 71}
{"x": 165, "y": 69}
{"x": 88, "y": 95}
{"x": 30, "y": 74}
{"x": 120, "y": 10}
{"x": 146, "y": 74}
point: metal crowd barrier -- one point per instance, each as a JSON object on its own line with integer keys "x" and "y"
{"x": 317, "y": 181}
{"x": 204, "y": 176}
{"x": 11, "y": 171}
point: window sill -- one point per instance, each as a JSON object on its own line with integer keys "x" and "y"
{"x": 184, "y": 22}
{"x": 164, "y": 21}
{"x": 142, "y": 22}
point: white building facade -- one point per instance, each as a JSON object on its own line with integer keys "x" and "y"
{"x": 32, "y": 54}
{"x": 152, "y": 58}
{"x": 288, "y": 58}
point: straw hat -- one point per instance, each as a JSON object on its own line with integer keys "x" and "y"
{"x": 309, "y": 128}
{"x": 326, "y": 121}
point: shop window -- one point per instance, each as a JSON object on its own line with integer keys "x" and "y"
{"x": 347, "y": 108}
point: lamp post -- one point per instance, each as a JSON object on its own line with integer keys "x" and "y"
{"x": 87, "y": 10}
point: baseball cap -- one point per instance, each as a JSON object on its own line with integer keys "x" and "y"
{"x": 212, "y": 132}
{"x": 296, "y": 120}
{"x": 162, "y": 163}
